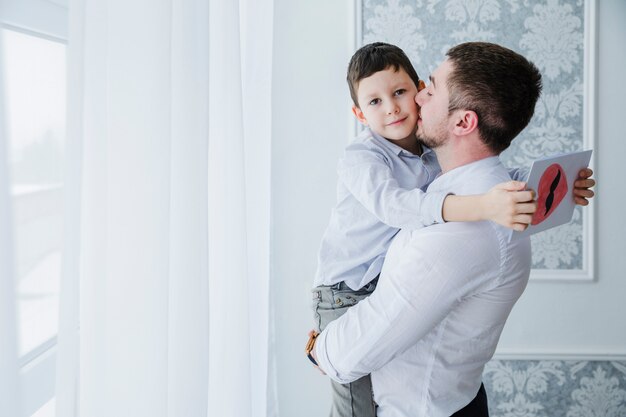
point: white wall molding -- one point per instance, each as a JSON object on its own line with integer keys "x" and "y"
{"x": 564, "y": 355}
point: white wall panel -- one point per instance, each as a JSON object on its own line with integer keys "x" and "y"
{"x": 311, "y": 110}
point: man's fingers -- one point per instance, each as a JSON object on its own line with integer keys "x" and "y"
{"x": 585, "y": 173}
{"x": 581, "y": 201}
{"x": 583, "y": 193}
{"x": 584, "y": 183}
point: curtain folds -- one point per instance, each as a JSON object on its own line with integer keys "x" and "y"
{"x": 166, "y": 273}
{"x": 239, "y": 190}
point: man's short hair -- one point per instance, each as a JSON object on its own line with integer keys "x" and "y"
{"x": 499, "y": 85}
{"x": 375, "y": 57}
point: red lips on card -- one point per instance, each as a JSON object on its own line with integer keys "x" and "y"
{"x": 552, "y": 190}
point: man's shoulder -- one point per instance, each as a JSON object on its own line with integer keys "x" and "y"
{"x": 445, "y": 230}
{"x": 448, "y": 240}
{"x": 460, "y": 232}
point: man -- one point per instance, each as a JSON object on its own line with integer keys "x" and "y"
{"x": 445, "y": 291}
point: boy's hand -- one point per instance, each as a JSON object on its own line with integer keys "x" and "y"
{"x": 582, "y": 187}
{"x": 510, "y": 205}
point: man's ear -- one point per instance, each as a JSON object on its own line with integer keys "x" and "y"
{"x": 466, "y": 122}
{"x": 359, "y": 115}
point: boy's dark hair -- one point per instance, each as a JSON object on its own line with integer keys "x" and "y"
{"x": 499, "y": 85}
{"x": 375, "y": 57}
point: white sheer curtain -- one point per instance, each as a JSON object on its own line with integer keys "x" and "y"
{"x": 166, "y": 269}
{"x": 9, "y": 393}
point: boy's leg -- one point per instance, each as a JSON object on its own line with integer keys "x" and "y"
{"x": 329, "y": 303}
{"x": 353, "y": 399}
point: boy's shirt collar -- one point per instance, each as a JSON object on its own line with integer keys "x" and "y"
{"x": 398, "y": 150}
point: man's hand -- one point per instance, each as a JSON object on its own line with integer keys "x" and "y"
{"x": 510, "y": 205}
{"x": 310, "y": 350}
{"x": 582, "y": 187}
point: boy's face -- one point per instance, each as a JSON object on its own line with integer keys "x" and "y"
{"x": 387, "y": 104}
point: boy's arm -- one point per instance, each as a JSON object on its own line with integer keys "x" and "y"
{"x": 368, "y": 177}
{"x": 507, "y": 204}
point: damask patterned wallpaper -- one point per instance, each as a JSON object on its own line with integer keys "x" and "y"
{"x": 550, "y": 33}
{"x": 556, "y": 388}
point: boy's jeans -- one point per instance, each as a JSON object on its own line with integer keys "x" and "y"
{"x": 329, "y": 303}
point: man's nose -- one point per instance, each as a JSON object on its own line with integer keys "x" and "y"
{"x": 419, "y": 97}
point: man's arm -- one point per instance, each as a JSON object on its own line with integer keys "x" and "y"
{"x": 421, "y": 284}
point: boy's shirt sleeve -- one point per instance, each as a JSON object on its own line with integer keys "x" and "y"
{"x": 368, "y": 177}
{"x": 519, "y": 174}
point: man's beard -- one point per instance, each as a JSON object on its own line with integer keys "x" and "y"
{"x": 432, "y": 141}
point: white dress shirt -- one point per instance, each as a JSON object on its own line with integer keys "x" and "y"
{"x": 380, "y": 191}
{"x": 435, "y": 318}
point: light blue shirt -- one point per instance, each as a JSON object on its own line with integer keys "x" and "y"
{"x": 380, "y": 191}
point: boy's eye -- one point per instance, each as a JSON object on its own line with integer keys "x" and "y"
{"x": 374, "y": 102}
{"x": 399, "y": 92}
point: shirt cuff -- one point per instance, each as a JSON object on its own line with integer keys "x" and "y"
{"x": 323, "y": 361}
{"x": 432, "y": 207}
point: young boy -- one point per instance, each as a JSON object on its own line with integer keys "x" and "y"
{"x": 381, "y": 181}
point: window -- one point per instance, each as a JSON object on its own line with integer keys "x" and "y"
{"x": 35, "y": 107}
{"x": 35, "y": 90}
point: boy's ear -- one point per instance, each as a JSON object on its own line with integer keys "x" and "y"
{"x": 359, "y": 115}
{"x": 466, "y": 123}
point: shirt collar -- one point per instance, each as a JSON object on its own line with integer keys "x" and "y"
{"x": 398, "y": 150}
{"x": 458, "y": 176}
